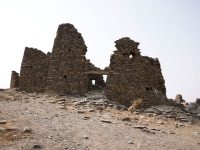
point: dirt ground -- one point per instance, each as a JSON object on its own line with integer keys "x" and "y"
{"x": 29, "y": 121}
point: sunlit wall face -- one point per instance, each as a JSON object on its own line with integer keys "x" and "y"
{"x": 169, "y": 30}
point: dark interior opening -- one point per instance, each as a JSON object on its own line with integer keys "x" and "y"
{"x": 65, "y": 76}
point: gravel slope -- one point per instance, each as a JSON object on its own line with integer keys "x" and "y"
{"x": 37, "y": 122}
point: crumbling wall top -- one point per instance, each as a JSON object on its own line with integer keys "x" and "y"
{"x": 126, "y": 46}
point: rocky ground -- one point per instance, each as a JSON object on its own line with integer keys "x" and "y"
{"x": 39, "y": 121}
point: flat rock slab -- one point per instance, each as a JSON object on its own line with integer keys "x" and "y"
{"x": 140, "y": 127}
{"x": 81, "y": 111}
{"x": 2, "y": 121}
{"x": 106, "y": 121}
{"x": 90, "y": 110}
{"x": 61, "y": 107}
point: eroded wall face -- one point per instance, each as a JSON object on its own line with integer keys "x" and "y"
{"x": 34, "y": 69}
{"x": 68, "y": 62}
{"x": 14, "y": 82}
{"x": 132, "y": 76}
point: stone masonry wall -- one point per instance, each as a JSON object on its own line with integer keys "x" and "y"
{"x": 68, "y": 63}
{"x": 14, "y": 82}
{"x": 34, "y": 69}
{"x": 132, "y": 76}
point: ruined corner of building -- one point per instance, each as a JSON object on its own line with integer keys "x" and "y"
{"x": 132, "y": 79}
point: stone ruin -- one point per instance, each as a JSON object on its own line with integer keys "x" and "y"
{"x": 131, "y": 78}
{"x": 68, "y": 64}
{"x": 14, "y": 82}
{"x": 34, "y": 70}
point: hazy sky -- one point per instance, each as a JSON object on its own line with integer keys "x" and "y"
{"x": 167, "y": 29}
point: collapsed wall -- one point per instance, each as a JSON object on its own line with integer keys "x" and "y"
{"x": 14, "y": 82}
{"x": 68, "y": 63}
{"x": 132, "y": 76}
{"x": 34, "y": 69}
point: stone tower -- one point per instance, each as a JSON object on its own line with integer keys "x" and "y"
{"x": 68, "y": 63}
{"x": 14, "y": 82}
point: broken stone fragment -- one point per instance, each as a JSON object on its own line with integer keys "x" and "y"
{"x": 140, "y": 127}
{"x": 3, "y": 121}
{"x": 81, "y": 111}
{"x": 27, "y": 130}
{"x": 106, "y": 121}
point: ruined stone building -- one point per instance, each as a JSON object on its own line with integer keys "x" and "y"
{"x": 14, "y": 82}
{"x": 34, "y": 69}
{"x": 67, "y": 71}
{"x": 132, "y": 76}
{"x": 68, "y": 64}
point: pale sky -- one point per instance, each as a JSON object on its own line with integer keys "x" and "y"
{"x": 166, "y": 29}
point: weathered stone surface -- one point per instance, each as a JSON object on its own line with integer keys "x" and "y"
{"x": 198, "y": 101}
{"x": 34, "y": 69}
{"x": 179, "y": 98}
{"x": 192, "y": 107}
{"x": 198, "y": 110}
{"x": 14, "y": 83}
{"x": 68, "y": 63}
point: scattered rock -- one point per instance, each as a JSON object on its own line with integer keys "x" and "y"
{"x": 140, "y": 127}
{"x": 2, "y": 121}
{"x": 61, "y": 107}
{"x": 90, "y": 110}
{"x": 178, "y": 125}
{"x": 148, "y": 131}
{"x": 159, "y": 122}
{"x": 126, "y": 119}
{"x": 81, "y": 111}
{"x": 130, "y": 142}
{"x": 106, "y": 121}
{"x": 86, "y": 118}
{"x": 171, "y": 132}
{"x": 195, "y": 133}
{"x": 86, "y": 137}
{"x": 27, "y": 130}
{"x": 121, "y": 107}
{"x": 37, "y": 146}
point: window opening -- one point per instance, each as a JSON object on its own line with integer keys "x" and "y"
{"x": 93, "y": 82}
